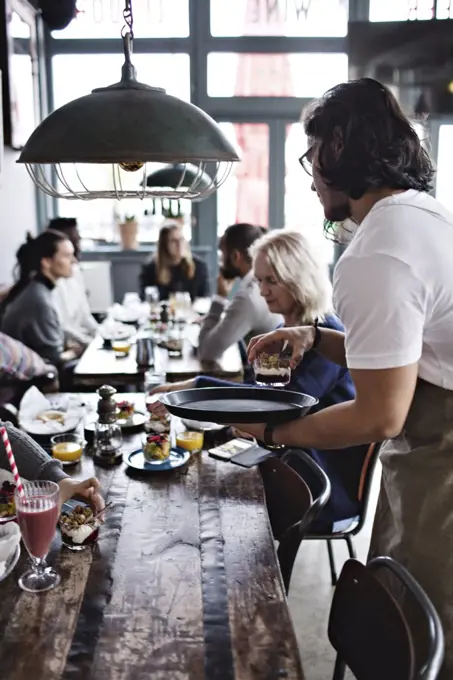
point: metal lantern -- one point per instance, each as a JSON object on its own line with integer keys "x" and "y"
{"x": 106, "y": 144}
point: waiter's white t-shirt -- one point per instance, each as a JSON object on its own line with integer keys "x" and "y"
{"x": 393, "y": 288}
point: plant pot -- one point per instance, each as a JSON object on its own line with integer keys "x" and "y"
{"x": 128, "y": 235}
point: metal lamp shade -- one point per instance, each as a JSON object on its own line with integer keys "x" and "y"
{"x": 123, "y": 128}
{"x": 179, "y": 175}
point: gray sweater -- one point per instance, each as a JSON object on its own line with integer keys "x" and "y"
{"x": 245, "y": 316}
{"x": 32, "y": 461}
{"x": 32, "y": 318}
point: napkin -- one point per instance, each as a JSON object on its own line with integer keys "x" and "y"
{"x": 9, "y": 540}
{"x": 34, "y": 402}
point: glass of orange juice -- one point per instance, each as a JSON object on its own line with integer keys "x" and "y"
{"x": 190, "y": 441}
{"x": 67, "y": 448}
{"x": 121, "y": 348}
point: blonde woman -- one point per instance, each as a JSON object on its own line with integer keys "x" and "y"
{"x": 173, "y": 268}
{"x": 296, "y": 285}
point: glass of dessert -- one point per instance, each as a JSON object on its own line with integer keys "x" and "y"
{"x": 79, "y": 527}
{"x": 121, "y": 348}
{"x": 158, "y": 423}
{"x": 272, "y": 370}
{"x": 156, "y": 448}
{"x": 125, "y": 411}
{"x": 7, "y": 504}
{"x": 190, "y": 441}
{"x": 67, "y": 448}
{"x": 37, "y": 514}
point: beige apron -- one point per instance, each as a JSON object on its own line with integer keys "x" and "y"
{"x": 414, "y": 517}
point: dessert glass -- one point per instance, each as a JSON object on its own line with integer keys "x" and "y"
{"x": 272, "y": 370}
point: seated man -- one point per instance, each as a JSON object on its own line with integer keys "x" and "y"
{"x": 69, "y": 294}
{"x": 229, "y": 322}
{"x": 34, "y": 463}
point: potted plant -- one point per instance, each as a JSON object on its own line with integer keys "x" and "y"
{"x": 128, "y": 233}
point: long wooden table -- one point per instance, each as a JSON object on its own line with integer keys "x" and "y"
{"x": 182, "y": 585}
{"x": 98, "y": 366}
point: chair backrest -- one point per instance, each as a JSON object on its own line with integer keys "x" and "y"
{"x": 315, "y": 478}
{"x": 366, "y": 481}
{"x": 369, "y": 630}
{"x": 288, "y": 497}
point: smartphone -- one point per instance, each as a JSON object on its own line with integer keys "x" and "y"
{"x": 231, "y": 448}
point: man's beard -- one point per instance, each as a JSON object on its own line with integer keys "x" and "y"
{"x": 229, "y": 272}
{"x": 339, "y": 212}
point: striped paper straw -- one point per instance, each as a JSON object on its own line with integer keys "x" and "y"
{"x": 12, "y": 462}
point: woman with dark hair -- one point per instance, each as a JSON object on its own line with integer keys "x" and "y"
{"x": 174, "y": 269}
{"x": 28, "y": 312}
{"x": 393, "y": 291}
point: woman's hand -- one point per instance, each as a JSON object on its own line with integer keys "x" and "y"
{"x": 87, "y": 489}
{"x": 300, "y": 340}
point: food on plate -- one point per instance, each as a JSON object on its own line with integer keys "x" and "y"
{"x": 156, "y": 447}
{"x": 79, "y": 527}
{"x": 47, "y": 416}
{"x": 125, "y": 410}
{"x": 7, "y": 505}
{"x": 159, "y": 424}
{"x": 272, "y": 369}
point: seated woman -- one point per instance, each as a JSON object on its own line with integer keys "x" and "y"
{"x": 34, "y": 463}
{"x": 28, "y": 312}
{"x": 296, "y": 285}
{"x": 174, "y": 269}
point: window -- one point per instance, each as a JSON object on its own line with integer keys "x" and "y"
{"x": 274, "y": 75}
{"x": 303, "y": 210}
{"x": 152, "y": 19}
{"x": 403, "y": 10}
{"x": 75, "y": 75}
{"x": 299, "y": 18}
{"x": 245, "y": 195}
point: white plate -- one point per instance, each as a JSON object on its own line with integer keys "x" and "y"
{"x": 199, "y": 425}
{"x": 51, "y": 427}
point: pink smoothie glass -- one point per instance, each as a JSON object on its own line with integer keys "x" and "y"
{"x": 37, "y": 514}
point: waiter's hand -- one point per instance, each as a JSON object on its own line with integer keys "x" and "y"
{"x": 300, "y": 340}
{"x": 223, "y": 286}
{"x": 253, "y": 430}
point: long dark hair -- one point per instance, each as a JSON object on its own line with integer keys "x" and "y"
{"x": 163, "y": 261}
{"x": 29, "y": 258}
{"x": 366, "y": 141}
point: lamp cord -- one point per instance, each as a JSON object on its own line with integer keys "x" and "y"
{"x": 128, "y": 19}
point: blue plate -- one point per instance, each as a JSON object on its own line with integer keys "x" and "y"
{"x": 176, "y": 459}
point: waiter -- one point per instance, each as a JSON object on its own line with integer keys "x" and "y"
{"x": 393, "y": 290}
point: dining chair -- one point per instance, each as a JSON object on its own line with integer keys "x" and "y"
{"x": 291, "y": 505}
{"x": 356, "y": 524}
{"x": 369, "y": 630}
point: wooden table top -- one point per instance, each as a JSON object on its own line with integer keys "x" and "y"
{"x": 182, "y": 585}
{"x": 98, "y": 366}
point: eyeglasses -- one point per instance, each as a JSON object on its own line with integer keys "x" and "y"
{"x": 306, "y": 162}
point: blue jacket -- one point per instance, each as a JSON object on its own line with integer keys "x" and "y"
{"x": 330, "y": 384}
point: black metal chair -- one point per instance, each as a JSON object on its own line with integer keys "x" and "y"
{"x": 370, "y": 632}
{"x": 291, "y": 505}
{"x": 356, "y": 525}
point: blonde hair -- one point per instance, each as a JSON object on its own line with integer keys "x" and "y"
{"x": 299, "y": 270}
{"x": 163, "y": 261}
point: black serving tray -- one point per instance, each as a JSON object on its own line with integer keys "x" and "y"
{"x": 226, "y": 405}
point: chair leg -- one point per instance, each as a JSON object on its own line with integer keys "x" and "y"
{"x": 352, "y": 552}
{"x": 340, "y": 669}
{"x": 333, "y": 573}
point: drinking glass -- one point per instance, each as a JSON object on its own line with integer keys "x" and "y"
{"x": 152, "y": 295}
{"x": 37, "y": 514}
{"x": 121, "y": 348}
{"x": 272, "y": 370}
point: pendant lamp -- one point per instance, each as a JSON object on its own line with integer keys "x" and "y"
{"x": 182, "y": 176}
{"x": 106, "y": 144}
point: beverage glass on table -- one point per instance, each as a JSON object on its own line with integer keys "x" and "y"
{"x": 37, "y": 513}
{"x": 67, "y": 448}
{"x": 121, "y": 348}
{"x": 272, "y": 369}
{"x": 190, "y": 441}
